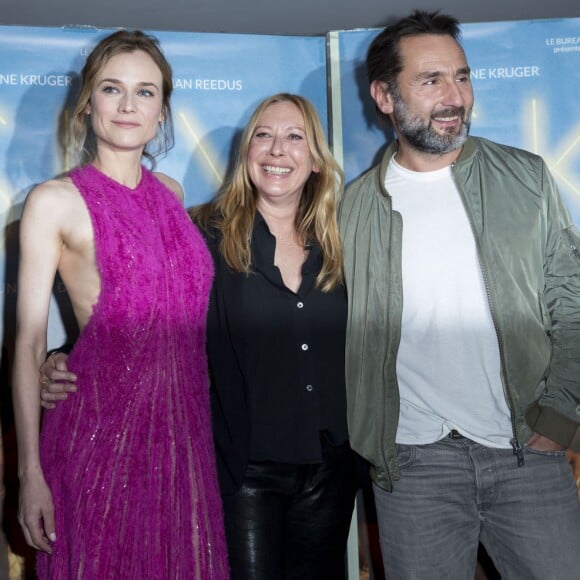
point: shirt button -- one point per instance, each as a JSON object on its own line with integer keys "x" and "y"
{"x": 300, "y": 305}
{"x": 304, "y": 347}
{"x": 309, "y": 388}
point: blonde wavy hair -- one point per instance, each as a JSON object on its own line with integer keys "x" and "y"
{"x": 233, "y": 210}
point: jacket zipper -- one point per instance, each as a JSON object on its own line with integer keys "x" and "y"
{"x": 573, "y": 249}
{"x": 516, "y": 445}
{"x": 382, "y": 435}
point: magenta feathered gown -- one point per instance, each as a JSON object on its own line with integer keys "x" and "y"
{"x": 129, "y": 458}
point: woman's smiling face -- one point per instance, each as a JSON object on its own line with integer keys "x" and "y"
{"x": 279, "y": 159}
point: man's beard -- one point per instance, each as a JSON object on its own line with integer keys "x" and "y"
{"x": 421, "y": 136}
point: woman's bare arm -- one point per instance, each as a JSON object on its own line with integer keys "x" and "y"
{"x": 40, "y": 252}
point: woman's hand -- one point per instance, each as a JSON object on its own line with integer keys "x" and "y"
{"x": 36, "y": 512}
{"x": 55, "y": 380}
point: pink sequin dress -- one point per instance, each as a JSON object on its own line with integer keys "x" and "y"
{"x": 129, "y": 457}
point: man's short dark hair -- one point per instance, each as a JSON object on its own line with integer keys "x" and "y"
{"x": 384, "y": 58}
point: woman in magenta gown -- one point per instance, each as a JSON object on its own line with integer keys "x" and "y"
{"x": 121, "y": 482}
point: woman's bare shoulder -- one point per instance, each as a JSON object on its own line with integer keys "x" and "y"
{"x": 61, "y": 186}
{"x": 171, "y": 184}
{"x": 55, "y": 195}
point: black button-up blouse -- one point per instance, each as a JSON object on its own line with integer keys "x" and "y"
{"x": 276, "y": 361}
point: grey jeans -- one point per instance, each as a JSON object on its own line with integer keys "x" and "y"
{"x": 455, "y": 493}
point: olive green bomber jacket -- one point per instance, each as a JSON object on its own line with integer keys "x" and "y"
{"x": 529, "y": 252}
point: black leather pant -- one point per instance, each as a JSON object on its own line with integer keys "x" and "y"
{"x": 291, "y": 522}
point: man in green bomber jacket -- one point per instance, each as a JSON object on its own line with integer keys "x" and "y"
{"x": 463, "y": 344}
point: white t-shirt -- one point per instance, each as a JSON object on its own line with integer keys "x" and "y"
{"x": 448, "y": 364}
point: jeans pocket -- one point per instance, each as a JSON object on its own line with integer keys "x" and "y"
{"x": 532, "y": 451}
{"x": 405, "y": 455}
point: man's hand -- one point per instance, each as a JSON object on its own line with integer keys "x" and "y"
{"x": 541, "y": 443}
{"x": 574, "y": 461}
{"x": 55, "y": 380}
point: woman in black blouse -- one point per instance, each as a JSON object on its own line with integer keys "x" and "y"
{"x": 276, "y": 332}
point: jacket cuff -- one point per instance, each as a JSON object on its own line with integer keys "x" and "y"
{"x": 549, "y": 423}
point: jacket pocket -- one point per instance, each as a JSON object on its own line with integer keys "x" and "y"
{"x": 566, "y": 258}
